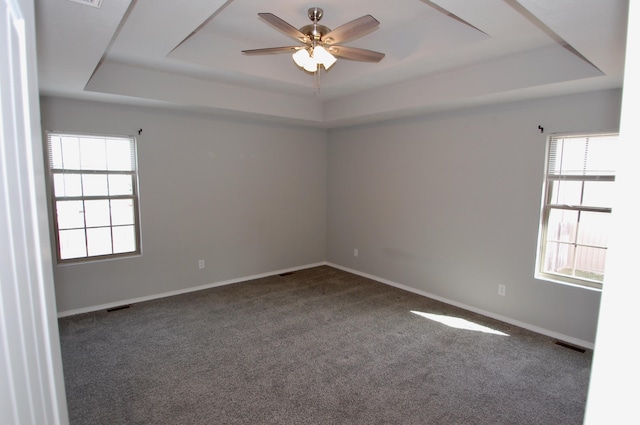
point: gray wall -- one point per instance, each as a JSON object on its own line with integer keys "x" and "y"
{"x": 247, "y": 197}
{"x": 445, "y": 204}
{"x": 449, "y": 204}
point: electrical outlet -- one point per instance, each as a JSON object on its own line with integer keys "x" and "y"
{"x": 355, "y": 252}
{"x": 201, "y": 264}
{"x": 502, "y": 290}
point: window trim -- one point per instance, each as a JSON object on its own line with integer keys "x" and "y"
{"x": 547, "y": 206}
{"x": 135, "y": 197}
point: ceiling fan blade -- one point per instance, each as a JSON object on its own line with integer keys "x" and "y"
{"x": 284, "y": 27}
{"x": 355, "y": 54}
{"x": 271, "y": 50}
{"x": 350, "y": 30}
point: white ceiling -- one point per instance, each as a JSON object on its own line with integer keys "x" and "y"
{"x": 440, "y": 54}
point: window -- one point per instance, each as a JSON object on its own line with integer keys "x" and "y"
{"x": 93, "y": 181}
{"x": 576, "y": 213}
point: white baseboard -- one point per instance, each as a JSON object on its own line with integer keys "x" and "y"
{"x": 536, "y": 329}
{"x": 183, "y": 291}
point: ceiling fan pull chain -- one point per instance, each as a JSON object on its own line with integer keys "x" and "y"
{"x": 316, "y": 82}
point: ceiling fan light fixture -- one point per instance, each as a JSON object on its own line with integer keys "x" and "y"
{"x": 301, "y": 57}
{"x": 306, "y": 61}
{"x": 322, "y": 56}
{"x": 310, "y": 61}
{"x": 311, "y": 65}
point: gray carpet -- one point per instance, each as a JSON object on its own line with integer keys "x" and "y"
{"x": 319, "y": 346}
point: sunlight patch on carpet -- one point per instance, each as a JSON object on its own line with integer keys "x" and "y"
{"x": 458, "y": 323}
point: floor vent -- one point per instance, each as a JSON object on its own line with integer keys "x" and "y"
{"x": 286, "y": 274}
{"x": 120, "y": 307}
{"x": 570, "y": 346}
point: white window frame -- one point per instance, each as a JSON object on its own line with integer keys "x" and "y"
{"x": 548, "y": 206}
{"x": 53, "y": 171}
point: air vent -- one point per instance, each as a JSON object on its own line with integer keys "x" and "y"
{"x": 120, "y": 307}
{"x": 570, "y": 346}
{"x": 92, "y": 3}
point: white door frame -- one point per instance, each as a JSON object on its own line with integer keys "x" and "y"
{"x": 31, "y": 379}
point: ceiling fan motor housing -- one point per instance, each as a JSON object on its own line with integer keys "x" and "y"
{"x": 315, "y": 31}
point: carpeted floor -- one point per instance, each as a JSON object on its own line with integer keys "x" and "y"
{"x": 319, "y": 346}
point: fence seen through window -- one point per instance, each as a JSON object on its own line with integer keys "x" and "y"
{"x": 576, "y": 216}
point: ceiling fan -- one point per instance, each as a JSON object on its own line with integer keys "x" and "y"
{"x": 321, "y": 45}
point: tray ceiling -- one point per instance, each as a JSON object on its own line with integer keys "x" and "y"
{"x": 440, "y": 54}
